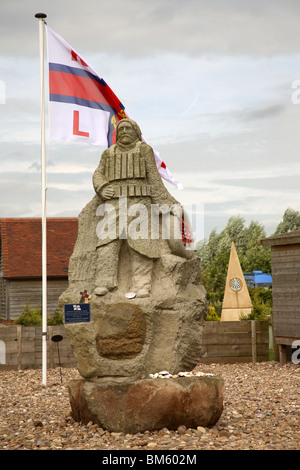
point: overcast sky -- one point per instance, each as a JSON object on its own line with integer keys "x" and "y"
{"x": 209, "y": 82}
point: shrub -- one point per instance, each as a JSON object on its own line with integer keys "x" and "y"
{"x": 258, "y": 312}
{"x": 212, "y": 314}
{"x": 261, "y": 304}
{"x": 55, "y": 319}
{"x": 32, "y": 316}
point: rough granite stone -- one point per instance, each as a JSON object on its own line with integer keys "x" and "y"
{"x": 148, "y": 404}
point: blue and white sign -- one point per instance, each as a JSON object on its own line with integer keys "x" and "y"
{"x": 77, "y": 313}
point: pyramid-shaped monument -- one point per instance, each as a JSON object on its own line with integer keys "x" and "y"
{"x": 236, "y": 300}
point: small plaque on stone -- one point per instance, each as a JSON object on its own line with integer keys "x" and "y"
{"x": 77, "y": 313}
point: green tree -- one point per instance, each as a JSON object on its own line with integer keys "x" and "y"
{"x": 255, "y": 256}
{"x": 233, "y": 232}
{"x": 214, "y": 276}
{"x": 289, "y": 223}
{"x": 207, "y": 250}
{"x": 215, "y": 252}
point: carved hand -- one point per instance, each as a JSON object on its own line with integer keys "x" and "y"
{"x": 107, "y": 192}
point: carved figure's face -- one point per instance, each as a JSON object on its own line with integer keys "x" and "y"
{"x": 126, "y": 133}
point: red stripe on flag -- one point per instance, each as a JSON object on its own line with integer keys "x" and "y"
{"x": 62, "y": 83}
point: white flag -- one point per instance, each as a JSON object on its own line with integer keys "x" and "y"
{"x": 83, "y": 108}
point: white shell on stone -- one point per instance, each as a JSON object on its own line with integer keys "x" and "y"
{"x": 153, "y": 376}
{"x": 130, "y": 295}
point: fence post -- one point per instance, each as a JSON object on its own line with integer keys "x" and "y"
{"x": 50, "y": 348}
{"x": 253, "y": 340}
{"x": 275, "y": 345}
{"x": 19, "y": 339}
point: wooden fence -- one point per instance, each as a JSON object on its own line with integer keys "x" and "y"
{"x": 235, "y": 341}
{"x": 23, "y": 348}
{"x": 225, "y": 342}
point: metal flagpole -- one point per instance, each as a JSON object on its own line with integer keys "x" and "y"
{"x": 41, "y": 17}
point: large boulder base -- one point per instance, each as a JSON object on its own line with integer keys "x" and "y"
{"x": 148, "y": 404}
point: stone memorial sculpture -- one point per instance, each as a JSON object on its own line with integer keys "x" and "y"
{"x": 127, "y": 170}
{"x": 147, "y": 304}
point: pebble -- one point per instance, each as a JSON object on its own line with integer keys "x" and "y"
{"x": 164, "y": 374}
{"x": 181, "y": 429}
{"x": 261, "y": 412}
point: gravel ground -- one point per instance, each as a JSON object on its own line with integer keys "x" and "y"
{"x": 261, "y": 411}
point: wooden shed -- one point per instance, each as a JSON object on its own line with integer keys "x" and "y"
{"x": 21, "y": 262}
{"x": 285, "y": 260}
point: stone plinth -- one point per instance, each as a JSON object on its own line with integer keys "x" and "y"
{"x": 148, "y": 404}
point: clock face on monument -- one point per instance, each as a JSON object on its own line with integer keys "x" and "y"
{"x": 235, "y": 284}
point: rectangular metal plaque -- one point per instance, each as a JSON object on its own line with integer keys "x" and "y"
{"x": 77, "y": 313}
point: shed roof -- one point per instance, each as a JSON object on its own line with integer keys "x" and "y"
{"x": 288, "y": 238}
{"x": 21, "y": 240}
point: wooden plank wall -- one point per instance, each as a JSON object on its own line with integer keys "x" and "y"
{"x": 235, "y": 341}
{"x": 29, "y": 292}
{"x": 286, "y": 290}
{"x": 3, "y": 313}
{"x": 24, "y": 347}
{"x": 225, "y": 342}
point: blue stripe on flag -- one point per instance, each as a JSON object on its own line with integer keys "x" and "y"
{"x": 75, "y": 71}
{"x": 81, "y": 102}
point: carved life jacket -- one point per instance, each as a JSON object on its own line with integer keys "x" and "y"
{"x": 127, "y": 172}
